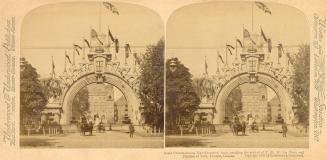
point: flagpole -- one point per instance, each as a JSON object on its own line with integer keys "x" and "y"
{"x": 252, "y": 16}
{"x": 100, "y": 17}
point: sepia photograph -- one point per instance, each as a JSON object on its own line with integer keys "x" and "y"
{"x": 237, "y": 76}
{"x": 92, "y": 76}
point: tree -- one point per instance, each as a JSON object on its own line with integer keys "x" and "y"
{"x": 32, "y": 95}
{"x": 152, "y": 84}
{"x": 181, "y": 98}
{"x": 81, "y": 103}
{"x": 301, "y": 88}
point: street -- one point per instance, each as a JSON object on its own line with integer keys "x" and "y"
{"x": 109, "y": 139}
{"x": 263, "y": 139}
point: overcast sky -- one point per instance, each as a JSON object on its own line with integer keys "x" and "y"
{"x": 51, "y": 29}
{"x": 201, "y": 30}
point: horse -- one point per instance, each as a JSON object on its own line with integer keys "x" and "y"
{"x": 238, "y": 127}
{"x": 87, "y": 127}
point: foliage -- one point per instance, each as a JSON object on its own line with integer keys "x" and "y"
{"x": 81, "y": 103}
{"x": 152, "y": 84}
{"x": 181, "y": 98}
{"x": 32, "y": 95}
{"x": 301, "y": 79}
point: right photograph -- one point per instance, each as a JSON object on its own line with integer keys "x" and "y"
{"x": 237, "y": 76}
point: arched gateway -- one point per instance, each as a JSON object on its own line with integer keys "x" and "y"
{"x": 251, "y": 66}
{"x": 102, "y": 67}
{"x": 239, "y": 79}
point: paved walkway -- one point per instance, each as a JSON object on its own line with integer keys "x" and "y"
{"x": 263, "y": 139}
{"x": 109, "y": 139}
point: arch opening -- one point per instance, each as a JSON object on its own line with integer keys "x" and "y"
{"x": 285, "y": 100}
{"x": 111, "y": 83}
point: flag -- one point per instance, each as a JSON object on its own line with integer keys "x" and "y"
{"x": 111, "y": 7}
{"x": 110, "y": 35}
{"x": 77, "y": 46}
{"x": 53, "y": 65}
{"x": 263, "y": 35}
{"x": 246, "y": 33}
{"x": 269, "y": 45}
{"x": 127, "y": 50}
{"x": 205, "y": 65}
{"x": 229, "y": 46}
{"x": 68, "y": 58}
{"x": 230, "y": 52}
{"x": 94, "y": 33}
{"x": 280, "y": 50}
{"x": 263, "y": 7}
{"x": 116, "y": 45}
{"x": 221, "y": 58}
{"x": 76, "y": 50}
{"x": 253, "y": 41}
{"x": 87, "y": 43}
{"x": 239, "y": 41}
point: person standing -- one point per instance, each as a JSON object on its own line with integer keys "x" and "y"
{"x": 284, "y": 129}
{"x": 131, "y": 130}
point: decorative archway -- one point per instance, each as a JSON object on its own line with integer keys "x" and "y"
{"x": 264, "y": 78}
{"x": 131, "y": 96}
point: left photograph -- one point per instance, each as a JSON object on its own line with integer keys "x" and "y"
{"x": 92, "y": 76}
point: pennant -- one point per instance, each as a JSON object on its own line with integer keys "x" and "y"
{"x": 230, "y": 52}
{"x": 263, "y": 7}
{"x": 94, "y": 33}
{"x": 53, "y": 65}
{"x": 205, "y": 65}
{"x": 269, "y": 45}
{"x": 68, "y": 58}
{"x": 280, "y": 50}
{"x": 111, "y": 7}
{"x": 76, "y": 50}
{"x": 127, "y": 50}
{"x": 110, "y": 35}
{"x": 87, "y": 43}
{"x": 77, "y": 46}
{"x": 116, "y": 45}
{"x": 253, "y": 41}
{"x": 99, "y": 40}
{"x": 239, "y": 41}
{"x": 263, "y": 35}
{"x": 229, "y": 46}
{"x": 221, "y": 58}
{"x": 246, "y": 33}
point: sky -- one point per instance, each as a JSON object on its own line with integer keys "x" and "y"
{"x": 50, "y": 30}
{"x": 197, "y": 32}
